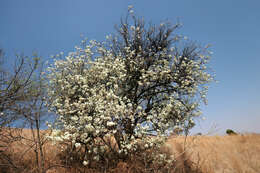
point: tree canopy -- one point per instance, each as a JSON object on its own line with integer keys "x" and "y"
{"x": 143, "y": 81}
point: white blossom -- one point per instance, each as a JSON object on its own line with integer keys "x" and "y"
{"x": 85, "y": 163}
{"x": 77, "y": 145}
{"x": 110, "y": 123}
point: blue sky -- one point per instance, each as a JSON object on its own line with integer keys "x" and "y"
{"x": 232, "y": 27}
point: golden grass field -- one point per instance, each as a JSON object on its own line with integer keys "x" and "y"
{"x": 221, "y": 154}
{"x": 209, "y": 154}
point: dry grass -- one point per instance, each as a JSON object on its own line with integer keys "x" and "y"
{"x": 235, "y": 153}
{"x": 22, "y": 155}
{"x": 206, "y": 154}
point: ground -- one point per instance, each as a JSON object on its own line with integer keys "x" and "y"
{"x": 208, "y": 154}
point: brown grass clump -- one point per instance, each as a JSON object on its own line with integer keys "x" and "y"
{"x": 194, "y": 154}
{"x": 21, "y": 152}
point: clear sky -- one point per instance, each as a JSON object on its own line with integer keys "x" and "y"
{"x": 231, "y": 26}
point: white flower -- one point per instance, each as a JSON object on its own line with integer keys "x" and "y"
{"x": 95, "y": 150}
{"x": 85, "y": 163}
{"x": 77, "y": 145}
{"x": 110, "y": 123}
{"x": 96, "y": 158}
{"x": 74, "y": 118}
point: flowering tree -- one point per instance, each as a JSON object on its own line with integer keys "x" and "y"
{"x": 112, "y": 97}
